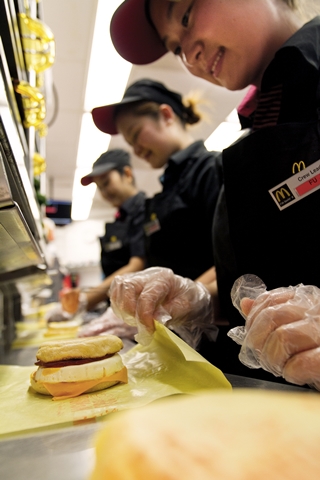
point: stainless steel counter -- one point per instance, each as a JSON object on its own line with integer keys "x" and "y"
{"x": 68, "y": 454}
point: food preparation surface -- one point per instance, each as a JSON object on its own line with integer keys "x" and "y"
{"x": 68, "y": 453}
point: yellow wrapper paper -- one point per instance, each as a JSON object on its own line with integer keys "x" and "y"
{"x": 168, "y": 366}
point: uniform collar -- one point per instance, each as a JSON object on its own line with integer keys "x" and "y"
{"x": 178, "y": 159}
{"x": 304, "y": 42}
{"x": 192, "y": 150}
{"x": 130, "y": 204}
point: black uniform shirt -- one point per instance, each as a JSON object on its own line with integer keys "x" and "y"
{"x": 251, "y": 234}
{"x": 179, "y": 219}
{"x": 124, "y": 238}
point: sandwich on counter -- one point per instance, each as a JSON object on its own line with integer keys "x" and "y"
{"x": 68, "y": 368}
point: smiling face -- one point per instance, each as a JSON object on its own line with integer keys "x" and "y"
{"x": 227, "y": 42}
{"x": 152, "y": 139}
{"x": 115, "y": 187}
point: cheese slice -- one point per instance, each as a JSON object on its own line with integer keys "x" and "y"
{"x": 65, "y": 390}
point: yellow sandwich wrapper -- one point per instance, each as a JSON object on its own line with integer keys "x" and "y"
{"x": 167, "y": 366}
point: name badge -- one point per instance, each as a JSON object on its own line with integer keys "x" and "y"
{"x": 298, "y": 186}
{"x": 152, "y": 227}
{"x": 110, "y": 246}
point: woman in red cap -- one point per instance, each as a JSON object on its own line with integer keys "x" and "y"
{"x": 122, "y": 246}
{"x": 265, "y": 218}
{"x": 155, "y": 121}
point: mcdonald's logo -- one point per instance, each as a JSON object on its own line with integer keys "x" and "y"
{"x": 299, "y": 166}
{"x": 283, "y": 195}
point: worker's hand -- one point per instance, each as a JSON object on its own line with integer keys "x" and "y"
{"x": 282, "y": 332}
{"x": 108, "y": 324}
{"x": 158, "y": 294}
{"x": 73, "y": 300}
{"x": 57, "y": 314}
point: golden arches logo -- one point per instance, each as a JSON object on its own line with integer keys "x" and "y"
{"x": 283, "y": 193}
{"x": 300, "y": 166}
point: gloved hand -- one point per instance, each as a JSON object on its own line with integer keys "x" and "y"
{"x": 57, "y": 314}
{"x": 108, "y": 323}
{"x": 158, "y": 294}
{"x": 73, "y": 301}
{"x": 282, "y": 329}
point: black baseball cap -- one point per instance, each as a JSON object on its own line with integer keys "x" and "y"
{"x": 133, "y": 35}
{"x": 111, "y": 160}
{"x": 145, "y": 89}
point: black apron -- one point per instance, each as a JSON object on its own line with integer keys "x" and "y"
{"x": 177, "y": 236}
{"x": 115, "y": 247}
{"x": 280, "y": 246}
{"x": 261, "y": 226}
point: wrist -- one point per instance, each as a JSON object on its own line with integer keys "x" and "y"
{"x": 82, "y": 301}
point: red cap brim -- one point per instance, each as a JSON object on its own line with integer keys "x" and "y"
{"x": 86, "y": 180}
{"x": 133, "y": 36}
{"x": 103, "y": 119}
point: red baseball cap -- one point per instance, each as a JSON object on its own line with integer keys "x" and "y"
{"x": 133, "y": 35}
{"x": 142, "y": 90}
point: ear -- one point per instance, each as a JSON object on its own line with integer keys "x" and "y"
{"x": 167, "y": 113}
{"x": 128, "y": 173}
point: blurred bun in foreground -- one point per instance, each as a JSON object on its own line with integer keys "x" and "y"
{"x": 239, "y": 435}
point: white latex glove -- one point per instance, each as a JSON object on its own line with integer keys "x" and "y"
{"x": 282, "y": 329}
{"x": 57, "y": 314}
{"x": 108, "y": 323}
{"x": 158, "y": 294}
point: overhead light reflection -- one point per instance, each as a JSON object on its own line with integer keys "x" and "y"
{"x": 82, "y": 197}
{"x": 108, "y": 75}
{"x": 92, "y": 143}
{"x": 225, "y": 134}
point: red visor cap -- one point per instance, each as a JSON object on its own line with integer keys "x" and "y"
{"x": 133, "y": 36}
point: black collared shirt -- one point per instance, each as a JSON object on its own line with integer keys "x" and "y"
{"x": 251, "y": 234}
{"x": 179, "y": 219}
{"x": 124, "y": 238}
